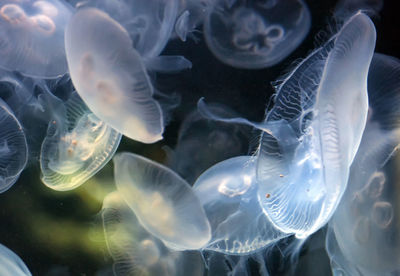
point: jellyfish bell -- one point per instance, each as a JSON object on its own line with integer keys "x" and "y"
{"x": 365, "y": 229}
{"x": 136, "y": 251}
{"x": 255, "y": 35}
{"x": 13, "y": 148}
{"x": 110, "y": 76}
{"x": 77, "y": 145}
{"x": 11, "y": 264}
{"x": 32, "y": 37}
{"x": 163, "y": 202}
{"x": 228, "y": 193}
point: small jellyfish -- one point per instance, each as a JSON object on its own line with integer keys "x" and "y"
{"x": 110, "y": 76}
{"x": 11, "y": 264}
{"x": 135, "y": 251}
{"x": 13, "y": 148}
{"x": 365, "y": 229}
{"x": 313, "y": 131}
{"x": 255, "y": 34}
{"x": 77, "y": 145}
{"x": 163, "y": 202}
{"x": 32, "y": 37}
{"x": 228, "y": 193}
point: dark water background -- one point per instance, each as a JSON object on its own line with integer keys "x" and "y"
{"x": 58, "y": 233}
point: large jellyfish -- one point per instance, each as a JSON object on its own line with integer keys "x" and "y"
{"x": 163, "y": 202}
{"x": 135, "y": 251}
{"x": 228, "y": 193}
{"x": 11, "y": 264}
{"x": 364, "y": 238}
{"x": 32, "y": 37}
{"x": 255, "y": 34}
{"x": 13, "y": 148}
{"x": 149, "y": 23}
{"x": 312, "y": 133}
{"x": 110, "y": 77}
{"x": 77, "y": 145}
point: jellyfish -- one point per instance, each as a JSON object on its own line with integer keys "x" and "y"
{"x": 32, "y": 37}
{"x": 313, "y": 131}
{"x": 365, "y": 229}
{"x": 77, "y": 145}
{"x": 255, "y": 34}
{"x": 13, "y": 148}
{"x": 135, "y": 251}
{"x": 110, "y": 76}
{"x": 163, "y": 202}
{"x": 347, "y": 7}
{"x": 228, "y": 193}
{"x": 217, "y": 141}
{"x": 11, "y": 264}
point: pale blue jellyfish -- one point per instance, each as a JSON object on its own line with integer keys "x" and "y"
{"x": 163, "y": 202}
{"x": 32, "y": 37}
{"x": 110, "y": 76}
{"x": 135, "y": 251}
{"x": 228, "y": 193}
{"x": 364, "y": 237}
{"x": 13, "y": 148}
{"x": 255, "y": 34}
{"x": 313, "y": 131}
{"x": 11, "y": 264}
{"x": 77, "y": 144}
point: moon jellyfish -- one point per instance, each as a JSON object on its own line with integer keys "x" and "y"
{"x": 32, "y": 37}
{"x": 312, "y": 133}
{"x": 228, "y": 193}
{"x": 255, "y": 34}
{"x": 149, "y": 23}
{"x": 13, "y": 148}
{"x": 110, "y": 77}
{"x": 365, "y": 229}
{"x": 163, "y": 202}
{"x": 77, "y": 145}
{"x": 11, "y": 264}
{"x": 135, "y": 251}
{"x": 217, "y": 141}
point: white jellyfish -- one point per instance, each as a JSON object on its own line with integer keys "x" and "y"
{"x": 110, "y": 76}
{"x": 364, "y": 237}
{"x": 163, "y": 202}
{"x": 13, "y": 148}
{"x": 255, "y": 34}
{"x": 11, "y": 264}
{"x": 77, "y": 145}
{"x": 135, "y": 251}
{"x": 32, "y": 37}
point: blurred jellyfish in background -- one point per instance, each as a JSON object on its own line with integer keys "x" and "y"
{"x": 255, "y": 34}
{"x": 135, "y": 251}
{"x": 77, "y": 145}
{"x": 203, "y": 143}
{"x": 163, "y": 202}
{"x": 364, "y": 238}
{"x": 228, "y": 193}
{"x": 13, "y": 148}
{"x": 11, "y": 264}
{"x": 110, "y": 76}
{"x": 32, "y": 37}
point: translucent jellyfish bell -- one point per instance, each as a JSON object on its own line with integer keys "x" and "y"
{"x": 163, "y": 202}
{"x": 135, "y": 251}
{"x": 32, "y": 37}
{"x": 11, "y": 264}
{"x": 228, "y": 193}
{"x": 77, "y": 145}
{"x": 110, "y": 77}
{"x": 255, "y": 34}
{"x": 13, "y": 148}
{"x": 365, "y": 229}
